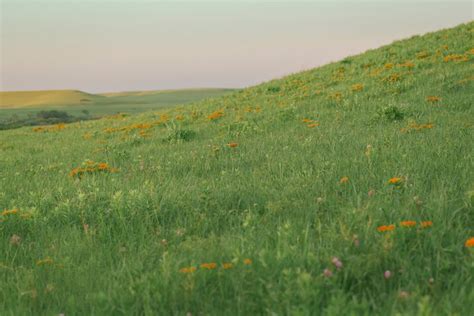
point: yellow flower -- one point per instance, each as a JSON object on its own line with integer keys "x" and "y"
{"x": 227, "y": 265}
{"x": 247, "y": 261}
{"x": 470, "y": 242}
{"x": 386, "y": 228}
{"x": 408, "y": 223}
{"x": 344, "y": 180}
{"x": 357, "y": 87}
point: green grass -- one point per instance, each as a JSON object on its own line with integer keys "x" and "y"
{"x": 114, "y": 242}
{"x": 25, "y": 103}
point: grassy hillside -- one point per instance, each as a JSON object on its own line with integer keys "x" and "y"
{"x": 343, "y": 190}
{"x": 24, "y": 103}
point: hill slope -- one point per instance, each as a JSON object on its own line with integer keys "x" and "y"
{"x": 18, "y": 99}
{"x": 346, "y": 189}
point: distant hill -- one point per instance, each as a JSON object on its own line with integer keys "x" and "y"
{"x": 47, "y": 98}
{"x": 18, "y": 99}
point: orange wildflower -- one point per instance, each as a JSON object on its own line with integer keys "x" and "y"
{"x": 386, "y": 228}
{"x": 247, "y": 261}
{"x": 344, "y": 180}
{"x": 306, "y": 120}
{"x": 313, "y": 125}
{"x": 357, "y": 87}
{"x": 9, "y": 212}
{"x": 227, "y": 265}
{"x": 470, "y": 242}
{"x": 103, "y": 166}
{"x": 426, "y": 224}
{"x": 433, "y": 98}
{"x": 209, "y": 266}
{"x": 408, "y": 223}
{"x": 232, "y": 145}
{"x": 187, "y": 270}
{"x": 455, "y": 57}
{"x": 395, "y": 180}
{"x": 215, "y": 115}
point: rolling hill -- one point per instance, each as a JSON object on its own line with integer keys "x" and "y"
{"x": 342, "y": 190}
{"x": 20, "y": 99}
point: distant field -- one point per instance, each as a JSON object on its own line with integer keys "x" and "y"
{"x": 24, "y": 103}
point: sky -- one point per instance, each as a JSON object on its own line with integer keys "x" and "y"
{"x": 124, "y": 45}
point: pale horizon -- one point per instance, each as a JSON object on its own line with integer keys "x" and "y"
{"x": 110, "y": 46}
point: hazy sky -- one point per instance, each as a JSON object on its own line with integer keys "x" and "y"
{"x": 110, "y": 45}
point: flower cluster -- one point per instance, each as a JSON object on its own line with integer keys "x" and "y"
{"x": 89, "y": 167}
{"x": 391, "y": 227}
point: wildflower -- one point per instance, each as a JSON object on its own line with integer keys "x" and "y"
{"x": 386, "y": 228}
{"x": 307, "y": 120}
{"x": 407, "y": 64}
{"x": 102, "y": 166}
{"x": 44, "y": 261}
{"x": 247, "y": 261}
{"x": 433, "y": 99}
{"x": 9, "y": 212}
{"x": 344, "y": 180}
{"x": 357, "y": 87}
{"x": 422, "y": 55}
{"x": 470, "y": 242}
{"x": 455, "y": 57}
{"x": 215, "y": 115}
{"x": 393, "y": 78}
{"x": 408, "y": 223}
{"x": 179, "y": 117}
{"x": 395, "y": 181}
{"x": 388, "y": 66}
{"x": 387, "y": 275}
{"x": 209, "y": 266}
{"x": 15, "y": 240}
{"x": 313, "y": 125}
{"x": 327, "y": 273}
{"x": 227, "y": 265}
{"x": 187, "y": 270}
{"x": 337, "y": 263}
{"x": 426, "y": 224}
{"x": 232, "y": 145}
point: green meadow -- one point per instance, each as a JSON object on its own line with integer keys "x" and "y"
{"x": 343, "y": 190}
